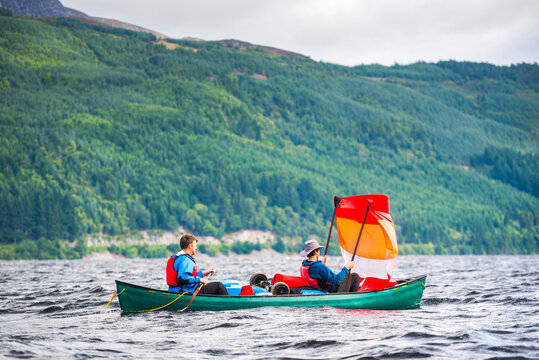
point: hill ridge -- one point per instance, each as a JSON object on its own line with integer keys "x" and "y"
{"x": 54, "y": 8}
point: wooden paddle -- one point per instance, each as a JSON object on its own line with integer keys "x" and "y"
{"x": 336, "y": 200}
{"x": 344, "y": 286}
{"x": 329, "y": 235}
{"x": 196, "y": 292}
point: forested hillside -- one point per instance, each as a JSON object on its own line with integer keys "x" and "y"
{"x": 107, "y": 130}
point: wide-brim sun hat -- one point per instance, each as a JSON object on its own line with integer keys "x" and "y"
{"x": 310, "y": 245}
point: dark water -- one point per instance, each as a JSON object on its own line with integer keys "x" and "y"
{"x": 474, "y": 307}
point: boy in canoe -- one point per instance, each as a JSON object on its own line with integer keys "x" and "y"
{"x": 182, "y": 272}
{"x": 319, "y": 275}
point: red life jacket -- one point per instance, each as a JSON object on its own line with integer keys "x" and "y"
{"x": 304, "y": 271}
{"x": 172, "y": 274}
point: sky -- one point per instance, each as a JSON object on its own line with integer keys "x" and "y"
{"x": 347, "y": 32}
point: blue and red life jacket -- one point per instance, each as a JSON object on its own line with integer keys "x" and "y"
{"x": 172, "y": 274}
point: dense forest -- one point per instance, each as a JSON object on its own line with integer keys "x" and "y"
{"x": 108, "y": 131}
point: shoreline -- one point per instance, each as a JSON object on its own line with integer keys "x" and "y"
{"x": 107, "y": 255}
{"x": 162, "y": 237}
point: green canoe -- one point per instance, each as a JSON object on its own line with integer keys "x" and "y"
{"x": 406, "y": 294}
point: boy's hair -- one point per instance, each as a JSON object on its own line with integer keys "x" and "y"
{"x": 312, "y": 253}
{"x": 187, "y": 239}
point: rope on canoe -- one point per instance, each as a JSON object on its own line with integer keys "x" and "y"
{"x": 164, "y": 306}
{"x": 113, "y": 295}
{"x": 159, "y": 308}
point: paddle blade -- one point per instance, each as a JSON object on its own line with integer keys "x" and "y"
{"x": 345, "y": 284}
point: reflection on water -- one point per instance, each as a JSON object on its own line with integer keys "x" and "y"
{"x": 473, "y": 307}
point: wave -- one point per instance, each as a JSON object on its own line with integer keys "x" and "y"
{"x": 437, "y": 301}
{"x": 421, "y": 335}
{"x": 22, "y": 354}
{"x": 224, "y": 325}
{"x": 52, "y": 309}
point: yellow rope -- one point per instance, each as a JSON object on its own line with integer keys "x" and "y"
{"x": 164, "y": 306}
{"x": 113, "y": 295}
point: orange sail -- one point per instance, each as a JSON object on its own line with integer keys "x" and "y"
{"x": 377, "y": 249}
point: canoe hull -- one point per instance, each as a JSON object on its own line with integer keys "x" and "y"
{"x": 405, "y": 295}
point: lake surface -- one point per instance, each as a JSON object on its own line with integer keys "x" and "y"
{"x": 474, "y": 307}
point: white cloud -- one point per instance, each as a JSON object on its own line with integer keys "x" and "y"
{"x": 348, "y": 32}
